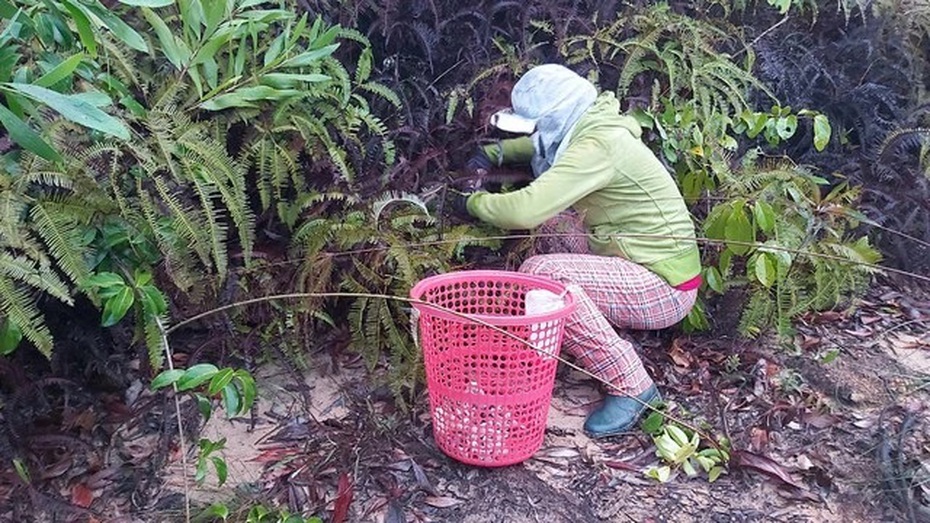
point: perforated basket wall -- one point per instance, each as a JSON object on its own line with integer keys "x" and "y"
{"x": 489, "y": 393}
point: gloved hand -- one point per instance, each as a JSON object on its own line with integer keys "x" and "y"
{"x": 457, "y": 203}
{"x": 479, "y": 164}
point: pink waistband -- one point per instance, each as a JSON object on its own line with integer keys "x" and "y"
{"x": 691, "y": 284}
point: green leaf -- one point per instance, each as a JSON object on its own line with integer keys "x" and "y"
{"x": 822, "y": 132}
{"x": 245, "y": 97}
{"x": 156, "y": 299}
{"x": 220, "y": 381}
{"x": 85, "y": 30}
{"x": 104, "y": 279}
{"x": 205, "y": 406}
{"x": 714, "y": 279}
{"x": 310, "y": 57}
{"x": 148, "y": 3}
{"x": 119, "y": 27}
{"x": 175, "y": 51}
{"x": 197, "y": 376}
{"x": 23, "y": 135}
{"x": 786, "y": 126}
{"x": 739, "y": 232}
{"x": 829, "y": 356}
{"x": 60, "y": 71}
{"x": 166, "y": 378}
{"x": 764, "y": 216}
{"x": 220, "y": 465}
{"x": 74, "y": 109}
{"x": 288, "y": 80}
{"x": 765, "y": 269}
{"x": 10, "y": 336}
{"x": 214, "y": 11}
{"x": 231, "y": 400}
{"x": 249, "y": 390}
{"x": 274, "y": 50}
{"x": 652, "y": 424}
{"x": 714, "y": 473}
{"x": 660, "y": 474}
{"x": 117, "y": 307}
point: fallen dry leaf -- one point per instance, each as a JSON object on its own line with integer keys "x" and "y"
{"x": 819, "y": 420}
{"x": 81, "y": 496}
{"x": 679, "y": 356}
{"x": 560, "y": 452}
{"x": 442, "y": 501}
{"x": 859, "y": 333}
{"x": 907, "y": 341}
{"x": 343, "y": 499}
{"x": 767, "y": 466}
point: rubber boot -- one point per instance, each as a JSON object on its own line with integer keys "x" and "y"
{"x": 619, "y": 414}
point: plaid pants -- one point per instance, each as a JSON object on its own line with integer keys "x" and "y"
{"x": 611, "y": 292}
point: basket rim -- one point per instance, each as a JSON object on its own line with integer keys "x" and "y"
{"x": 423, "y": 285}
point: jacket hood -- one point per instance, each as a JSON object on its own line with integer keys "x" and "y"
{"x": 555, "y": 98}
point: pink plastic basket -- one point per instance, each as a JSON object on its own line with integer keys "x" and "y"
{"x": 489, "y": 393}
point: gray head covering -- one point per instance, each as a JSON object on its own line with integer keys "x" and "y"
{"x": 555, "y": 98}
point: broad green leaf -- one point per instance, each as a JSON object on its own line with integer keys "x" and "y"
{"x": 74, "y": 109}
{"x": 738, "y": 232}
{"x": 117, "y": 306}
{"x": 197, "y": 376}
{"x": 764, "y": 215}
{"x": 714, "y": 473}
{"x": 231, "y": 400}
{"x": 119, "y": 27}
{"x": 175, "y": 51}
{"x": 652, "y": 424}
{"x": 95, "y": 98}
{"x": 155, "y": 298}
{"x": 10, "y": 336}
{"x": 822, "y": 132}
{"x": 274, "y": 50}
{"x": 7, "y": 10}
{"x": 148, "y": 3}
{"x": 23, "y": 135}
{"x": 166, "y": 378}
{"x": 327, "y": 38}
{"x": 765, "y": 270}
{"x": 85, "y": 30}
{"x": 212, "y": 46}
{"x": 214, "y": 11}
{"x": 288, "y": 81}
{"x": 755, "y": 123}
{"x": 104, "y": 279}
{"x": 220, "y": 465}
{"x": 310, "y": 57}
{"x": 245, "y": 97}
{"x": 716, "y": 222}
{"x": 219, "y": 382}
{"x": 205, "y": 406}
{"x": 660, "y": 474}
{"x": 249, "y": 391}
{"x": 714, "y": 280}
{"x": 60, "y": 71}
{"x": 786, "y": 126}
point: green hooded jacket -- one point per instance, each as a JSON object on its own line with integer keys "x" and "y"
{"x": 609, "y": 176}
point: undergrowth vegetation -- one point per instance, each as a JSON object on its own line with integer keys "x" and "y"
{"x": 163, "y": 157}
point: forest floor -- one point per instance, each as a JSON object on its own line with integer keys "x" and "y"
{"x": 844, "y": 440}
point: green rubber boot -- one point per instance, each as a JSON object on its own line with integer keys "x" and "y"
{"x": 619, "y": 414}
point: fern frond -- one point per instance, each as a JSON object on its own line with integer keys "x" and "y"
{"x": 61, "y": 234}
{"x": 36, "y": 275}
{"x": 19, "y": 307}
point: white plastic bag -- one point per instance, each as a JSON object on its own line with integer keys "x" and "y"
{"x": 541, "y": 301}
